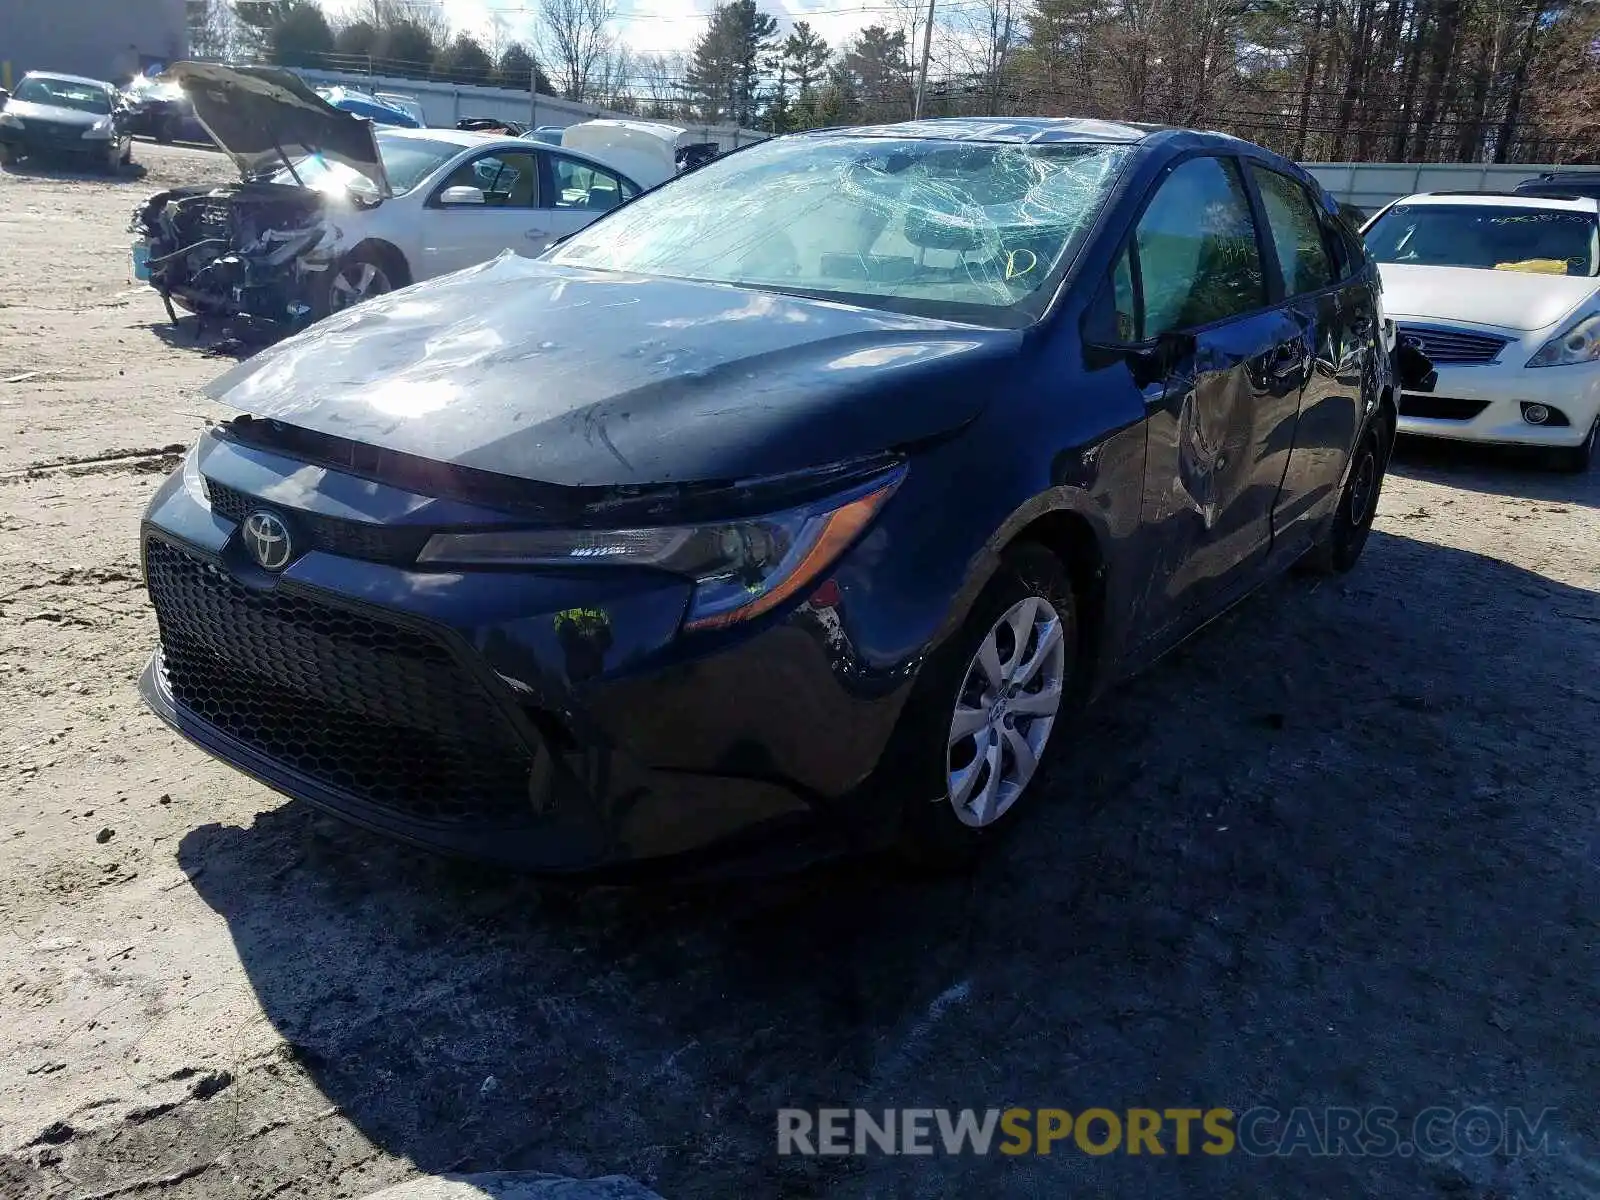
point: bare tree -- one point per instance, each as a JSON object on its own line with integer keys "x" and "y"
{"x": 660, "y": 85}
{"x": 574, "y": 38}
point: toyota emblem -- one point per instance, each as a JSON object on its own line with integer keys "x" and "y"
{"x": 266, "y": 538}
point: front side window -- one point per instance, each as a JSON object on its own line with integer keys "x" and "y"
{"x": 581, "y": 185}
{"x": 1199, "y": 261}
{"x": 974, "y": 231}
{"x": 63, "y": 93}
{"x": 1296, "y": 233}
{"x": 1488, "y": 237}
{"x": 507, "y": 179}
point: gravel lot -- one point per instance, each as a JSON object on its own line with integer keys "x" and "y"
{"x": 1340, "y": 849}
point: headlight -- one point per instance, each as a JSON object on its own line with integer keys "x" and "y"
{"x": 100, "y": 129}
{"x": 1578, "y": 343}
{"x": 740, "y": 569}
{"x": 10, "y": 120}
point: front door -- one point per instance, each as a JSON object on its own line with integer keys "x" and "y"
{"x": 1221, "y": 428}
{"x": 508, "y": 218}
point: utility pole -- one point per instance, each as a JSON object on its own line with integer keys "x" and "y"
{"x": 922, "y": 75}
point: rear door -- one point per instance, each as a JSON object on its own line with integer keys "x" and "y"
{"x": 578, "y": 192}
{"x": 510, "y": 218}
{"x": 1338, "y": 317}
{"x": 1231, "y": 395}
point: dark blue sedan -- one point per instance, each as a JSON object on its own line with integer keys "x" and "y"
{"x": 803, "y": 500}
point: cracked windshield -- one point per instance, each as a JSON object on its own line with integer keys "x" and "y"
{"x": 969, "y": 231}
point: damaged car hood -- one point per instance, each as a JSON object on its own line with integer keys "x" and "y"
{"x": 588, "y": 378}
{"x": 264, "y": 117}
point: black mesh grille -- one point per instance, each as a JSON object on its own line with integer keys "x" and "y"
{"x": 372, "y": 709}
{"x": 352, "y": 539}
{"x": 1440, "y": 408}
{"x": 1455, "y": 346}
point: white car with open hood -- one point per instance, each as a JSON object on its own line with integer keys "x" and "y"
{"x": 1503, "y": 293}
{"x": 331, "y": 210}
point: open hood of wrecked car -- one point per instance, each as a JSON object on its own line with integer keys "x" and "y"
{"x": 586, "y": 378}
{"x": 265, "y": 116}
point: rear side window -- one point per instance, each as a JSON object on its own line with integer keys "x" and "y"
{"x": 1296, "y": 233}
{"x": 1199, "y": 261}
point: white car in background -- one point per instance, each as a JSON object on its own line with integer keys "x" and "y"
{"x": 330, "y": 210}
{"x": 1503, "y": 293}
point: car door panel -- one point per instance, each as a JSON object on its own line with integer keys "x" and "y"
{"x": 1221, "y": 430}
{"x": 1333, "y": 317}
{"x": 463, "y": 235}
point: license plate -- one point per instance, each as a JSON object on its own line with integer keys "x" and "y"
{"x": 141, "y": 262}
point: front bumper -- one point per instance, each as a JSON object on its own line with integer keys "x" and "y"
{"x": 31, "y": 141}
{"x": 471, "y": 712}
{"x": 1484, "y": 402}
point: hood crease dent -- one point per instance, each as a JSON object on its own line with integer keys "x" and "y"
{"x": 583, "y": 378}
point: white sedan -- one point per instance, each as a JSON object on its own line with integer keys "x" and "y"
{"x": 1503, "y": 294}
{"x": 330, "y": 211}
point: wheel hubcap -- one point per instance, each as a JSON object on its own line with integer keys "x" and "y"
{"x": 1005, "y": 709}
{"x": 356, "y": 283}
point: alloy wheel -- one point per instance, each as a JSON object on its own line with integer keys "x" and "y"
{"x": 355, "y": 282}
{"x": 1005, "y": 708}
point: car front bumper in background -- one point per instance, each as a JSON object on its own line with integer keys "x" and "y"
{"x": 552, "y": 722}
{"x": 1483, "y": 402}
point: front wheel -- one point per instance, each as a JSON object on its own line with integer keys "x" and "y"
{"x": 984, "y": 717}
{"x": 1576, "y": 459}
{"x": 1341, "y": 546}
{"x": 8, "y": 155}
{"x": 358, "y": 276}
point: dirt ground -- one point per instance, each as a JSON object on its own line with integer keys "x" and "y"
{"x": 1340, "y": 849}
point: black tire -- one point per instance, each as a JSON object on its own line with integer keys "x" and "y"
{"x": 1575, "y": 460}
{"x": 8, "y": 155}
{"x": 921, "y": 757}
{"x": 1346, "y": 536}
{"x": 167, "y": 129}
{"x": 127, "y": 154}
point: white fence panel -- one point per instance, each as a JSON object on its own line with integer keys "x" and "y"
{"x": 1372, "y": 185}
{"x": 446, "y": 103}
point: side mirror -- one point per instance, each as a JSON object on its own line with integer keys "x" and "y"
{"x": 1148, "y": 362}
{"x": 453, "y": 196}
{"x": 1413, "y": 367}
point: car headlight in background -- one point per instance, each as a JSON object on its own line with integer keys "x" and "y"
{"x": 740, "y": 569}
{"x": 10, "y": 121}
{"x": 1578, "y": 343}
{"x": 101, "y": 129}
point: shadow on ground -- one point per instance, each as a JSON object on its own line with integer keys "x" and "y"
{"x": 1339, "y": 850}
{"x": 55, "y": 169}
{"x": 1513, "y": 471}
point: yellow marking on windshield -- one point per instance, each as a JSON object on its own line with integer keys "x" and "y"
{"x": 1012, "y": 271}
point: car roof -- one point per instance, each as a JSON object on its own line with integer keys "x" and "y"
{"x": 61, "y": 78}
{"x": 1502, "y": 200}
{"x": 468, "y": 140}
{"x": 465, "y": 138}
{"x": 1006, "y": 129}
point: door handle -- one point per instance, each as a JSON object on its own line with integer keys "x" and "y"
{"x": 535, "y": 234}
